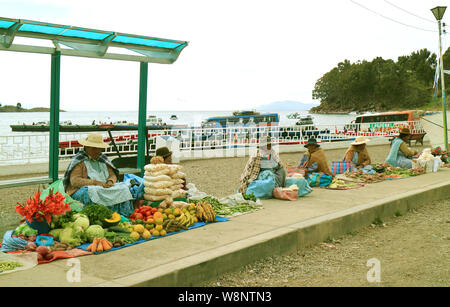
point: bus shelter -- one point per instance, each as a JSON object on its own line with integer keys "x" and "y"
{"x": 91, "y": 43}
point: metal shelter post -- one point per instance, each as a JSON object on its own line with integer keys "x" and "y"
{"x": 142, "y": 131}
{"x": 54, "y": 115}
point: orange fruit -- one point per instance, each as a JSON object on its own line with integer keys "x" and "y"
{"x": 155, "y": 233}
{"x": 146, "y": 235}
{"x": 162, "y": 232}
{"x": 157, "y": 215}
{"x": 159, "y": 227}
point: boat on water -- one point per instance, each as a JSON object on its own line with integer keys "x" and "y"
{"x": 242, "y": 118}
{"x": 386, "y": 123}
{"x": 173, "y": 117}
{"x": 303, "y": 121}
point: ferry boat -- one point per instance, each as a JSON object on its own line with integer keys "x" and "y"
{"x": 387, "y": 123}
{"x": 242, "y": 118}
{"x": 305, "y": 121}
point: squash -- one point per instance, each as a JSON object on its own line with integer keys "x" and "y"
{"x": 113, "y": 221}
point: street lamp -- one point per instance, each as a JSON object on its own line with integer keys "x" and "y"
{"x": 438, "y": 13}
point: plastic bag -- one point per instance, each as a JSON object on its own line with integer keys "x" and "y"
{"x": 194, "y": 193}
{"x": 238, "y": 199}
{"x": 285, "y": 194}
{"x": 58, "y": 186}
{"x": 28, "y": 261}
{"x": 301, "y": 183}
{"x": 263, "y": 186}
{"x": 10, "y": 244}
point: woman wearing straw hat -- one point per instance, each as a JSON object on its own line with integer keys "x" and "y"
{"x": 400, "y": 155}
{"x": 357, "y": 152}
{"x": 92, "y": 178}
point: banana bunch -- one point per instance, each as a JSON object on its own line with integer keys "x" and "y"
{"x": 173, "y": 225}
{"x": 205, "y": 212}
{"x": 186, "y": 219}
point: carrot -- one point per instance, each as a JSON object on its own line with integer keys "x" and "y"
{"x": 94, "y": 245}
{"x": 105, "y": 244}
{"x": 109, "y": 243}
{"x": 89, "y": 248}
{"x": 99, "y": 245}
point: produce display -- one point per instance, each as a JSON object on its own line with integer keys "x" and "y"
{"x": 224, "y": 209}
{"x": 340, "y": 184}
{"x": 9, "y": 265}
{"x": 384, "y": 171}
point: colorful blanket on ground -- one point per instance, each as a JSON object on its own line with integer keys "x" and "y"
{"x": 81, "y": 250}
{"x": 196, "y": 225}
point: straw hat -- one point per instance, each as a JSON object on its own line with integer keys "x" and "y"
{"x": 94, "y": 140}
{"x": 360, "y": 140}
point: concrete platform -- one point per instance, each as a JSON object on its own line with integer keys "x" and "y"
{"x": 201, "y": 254}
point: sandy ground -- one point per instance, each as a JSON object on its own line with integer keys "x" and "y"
{"x": 412, "y": 250}
{"x": 218, "y": 177}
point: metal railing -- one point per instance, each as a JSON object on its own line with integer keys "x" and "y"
{"x": 35, "y": 147}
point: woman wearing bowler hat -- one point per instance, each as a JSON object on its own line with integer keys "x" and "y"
{"x": 314, "y": 160}
{"x": 92, "y": 178}
{"x": 400, "y": 155}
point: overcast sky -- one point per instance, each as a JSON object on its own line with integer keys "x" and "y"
{"x": 241, "y": 53}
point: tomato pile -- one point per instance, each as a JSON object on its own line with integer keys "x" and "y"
{"x": 143, "y": 213}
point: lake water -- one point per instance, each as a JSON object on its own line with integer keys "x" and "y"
{"x": 191, "y": 118}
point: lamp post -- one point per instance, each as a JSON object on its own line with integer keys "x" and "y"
{"x": 438, "y": 13}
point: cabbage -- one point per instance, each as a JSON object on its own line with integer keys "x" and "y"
{"x": 70, "y": 236}
{"x": 94, "y": 231}
{"x": 56, "y": 232}
{"x": 82, "y": 221}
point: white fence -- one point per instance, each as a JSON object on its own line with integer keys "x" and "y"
{"x": 35, "y": 147}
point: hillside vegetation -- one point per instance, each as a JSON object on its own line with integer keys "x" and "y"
{"x": 381, "y": 85}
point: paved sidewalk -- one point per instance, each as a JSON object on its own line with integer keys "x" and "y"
{"x": 187, "y": 258}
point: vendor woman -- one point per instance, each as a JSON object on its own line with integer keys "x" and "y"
{"x": 357, "y": 152}
{"x": 264, "y": 159}
{"x": 400, "y": 155}
{"x": 314, "y": 160}
{"x": 92, "y": 178}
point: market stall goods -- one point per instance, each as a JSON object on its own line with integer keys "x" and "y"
{"x": 163, "y": 181}
{"x": 205, "y": 212}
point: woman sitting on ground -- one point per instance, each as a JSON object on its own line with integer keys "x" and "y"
{"x": 92, "y": 178}
{"x": 357, "y": 153}
{"x": 400, "y": 155}
{"x": 314, "y": 160}
{"x": 265, "y": 159}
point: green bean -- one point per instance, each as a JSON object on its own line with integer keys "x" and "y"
{"x": 9, "y": 265}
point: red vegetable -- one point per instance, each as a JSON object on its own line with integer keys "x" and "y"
{"x": 31, "y": 247}
{"x": 42, "y": 250}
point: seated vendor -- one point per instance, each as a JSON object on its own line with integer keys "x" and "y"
{"x": 314, "y": 160}
{"x": 92, "y": 178}
{"x": 357, "y": 152}
{"x": 166, "y": 154}
{"x": 400, "y": 155}
{"x": 265, "y": 159}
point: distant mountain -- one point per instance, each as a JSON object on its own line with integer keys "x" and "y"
{"x": 287, "y": 105}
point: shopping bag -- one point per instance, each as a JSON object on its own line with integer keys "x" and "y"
{"x": 340, "y": 167}
{"x": 301, "y": 183}
{"x": 285, "y": 194}
{"x": 263, "y": 186}
{"x": 319, "y": 180}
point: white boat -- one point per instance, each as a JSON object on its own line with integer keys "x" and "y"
{"x": 152, "y": 120}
